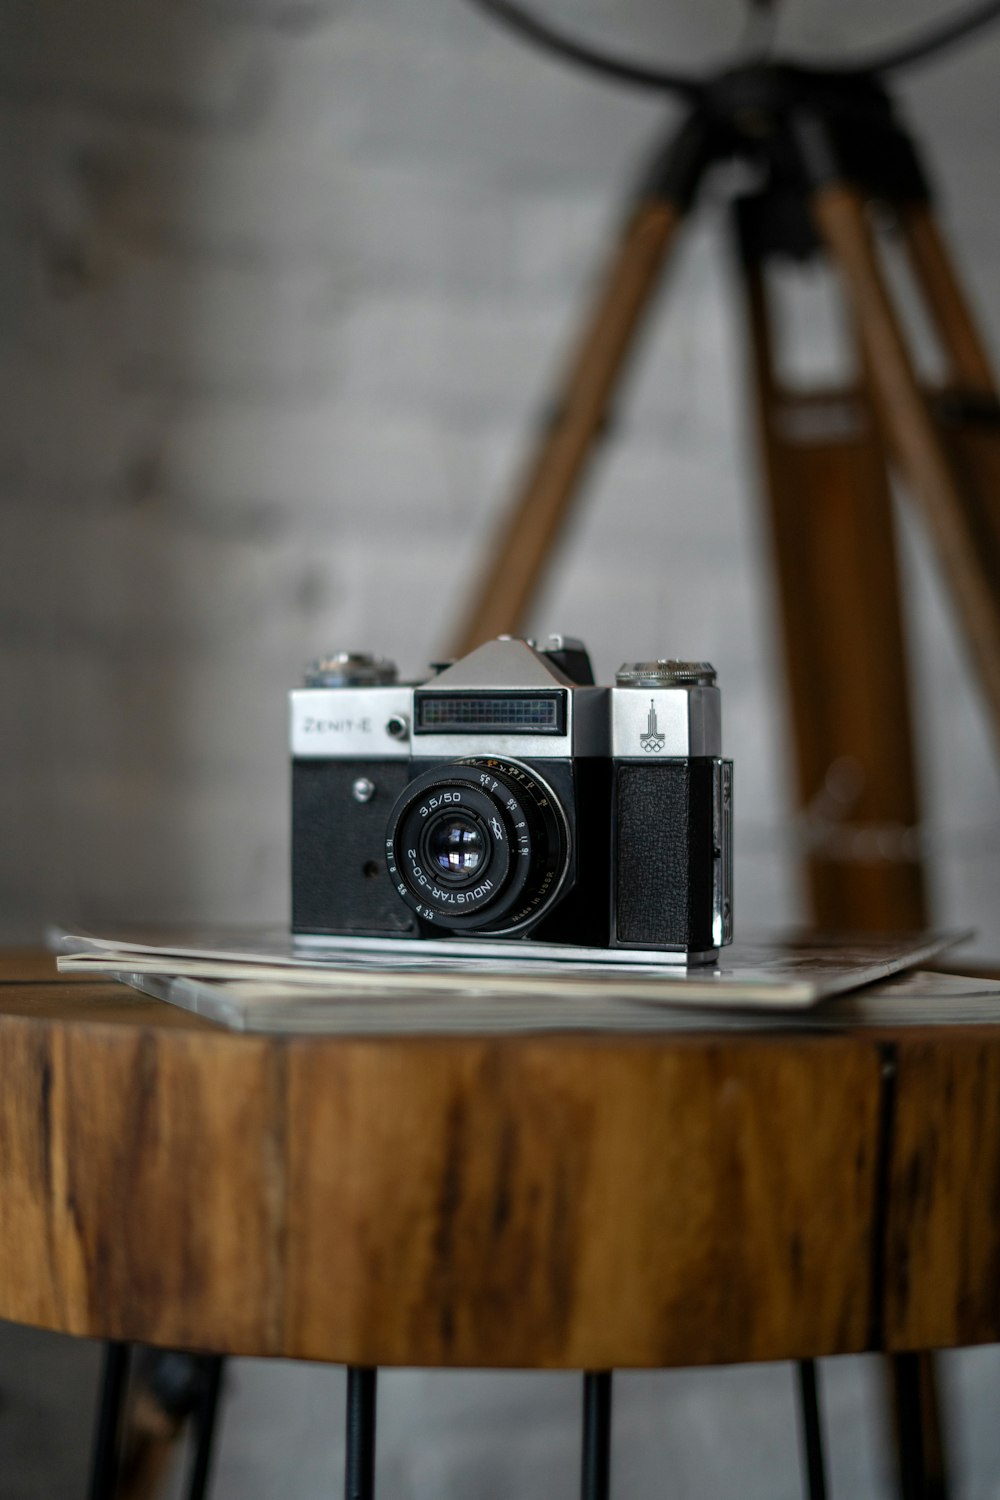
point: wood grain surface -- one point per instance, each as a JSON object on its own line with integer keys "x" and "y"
{"x": 943, "y": 1228}
{"x": 554, "y": 1201}
{"x": 33, "y": 966}
{"x": 581, "y": 1203}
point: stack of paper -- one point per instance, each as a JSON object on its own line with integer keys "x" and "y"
{"x": 261, "y": 980}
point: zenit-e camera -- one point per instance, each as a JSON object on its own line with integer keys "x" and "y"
{"x": 509, "y": 797}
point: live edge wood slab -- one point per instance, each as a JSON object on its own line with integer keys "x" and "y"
{"x": 547, "y": 1201}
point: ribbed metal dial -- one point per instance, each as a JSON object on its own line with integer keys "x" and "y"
{"x": 351, "y": 669}
{"x": 665, "y": 672}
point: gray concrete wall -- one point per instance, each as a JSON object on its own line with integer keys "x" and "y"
{"x": 282, "y": 286}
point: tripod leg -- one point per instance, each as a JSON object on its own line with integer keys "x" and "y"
{"x": 170, "y": 1388}
{"x": 969, "y": 410}
{"x": 832, "y": 525}
{"x": 532, "y": 526}
{"x": 828, "y": 496}
{"x": 114, "y": 1392}
{"x": 936, "y": 277}
{"x": 920, "y": 1458}
{"x": 969, "y": 551}
{"x": 970, "y": 557}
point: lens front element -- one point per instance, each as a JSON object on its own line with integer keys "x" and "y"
{"x": 455, "y": 846}
{"x": 477, "y": 844}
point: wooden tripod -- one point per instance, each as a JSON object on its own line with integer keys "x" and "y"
{"x": 831, "y": 149}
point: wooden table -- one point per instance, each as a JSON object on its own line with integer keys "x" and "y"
{"x": 551, "y": 1201}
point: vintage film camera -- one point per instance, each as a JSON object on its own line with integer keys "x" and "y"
{"x": 508, "y": 797}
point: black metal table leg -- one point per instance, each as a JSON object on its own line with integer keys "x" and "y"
{"x": 107, "y": 1438}
{"x": 812, "y": 1430}
{"x": 359, "y": 1466}
{"x": 595, "y": 1481}
{"x": 206, "y": 1423}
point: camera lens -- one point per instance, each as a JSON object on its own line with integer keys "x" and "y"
{"x": 455, "y": 846}
{"x": 479, "y": 844}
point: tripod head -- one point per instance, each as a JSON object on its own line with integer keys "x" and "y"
{"x": 799, "y": 126}
{"x": 805, "y": 123}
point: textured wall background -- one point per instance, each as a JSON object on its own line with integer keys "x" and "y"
{"x": 282, "y": 283}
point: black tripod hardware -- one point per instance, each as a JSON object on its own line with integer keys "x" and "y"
{"x": 798, "y": 129}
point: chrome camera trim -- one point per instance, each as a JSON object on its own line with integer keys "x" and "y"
{"x": 521, "y": 951}
{"x": 350, "y": 723}
{"x": 665, "y": 723}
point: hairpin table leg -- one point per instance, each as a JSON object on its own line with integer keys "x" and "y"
{"x": 812, "y": 1430}
{"x": 596, "y": 1475}
{"x": 359, "y": 1468}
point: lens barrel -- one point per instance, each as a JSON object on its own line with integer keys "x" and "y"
{"x": 478, "y": 844}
